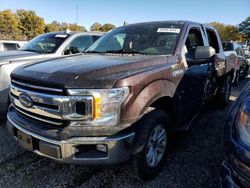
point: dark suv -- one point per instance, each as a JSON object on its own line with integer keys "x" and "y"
{"x": 235, "y": 170}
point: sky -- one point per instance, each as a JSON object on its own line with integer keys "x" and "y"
{"x": 133, "y": 11}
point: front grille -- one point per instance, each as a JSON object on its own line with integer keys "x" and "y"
{"x": 38, "y": 117}
{"x": 48, "y": 104}
{"x": 37, "y": 87}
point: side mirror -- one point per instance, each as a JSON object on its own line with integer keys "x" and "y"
{"x": 204, "y": 52}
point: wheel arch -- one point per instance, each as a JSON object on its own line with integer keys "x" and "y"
{"x": 157, "y": 94}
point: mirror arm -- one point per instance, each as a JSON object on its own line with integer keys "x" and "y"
{"x": 201, "y": 61}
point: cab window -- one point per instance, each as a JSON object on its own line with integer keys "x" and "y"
{"x": 194, "y": 39}
{"x": 213, "y": 40}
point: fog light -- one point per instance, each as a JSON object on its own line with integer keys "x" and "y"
{"x": 102, "y": 147}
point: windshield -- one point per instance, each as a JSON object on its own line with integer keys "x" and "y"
{"x": 47, "y": 43}
{"x": 147, "y": 39}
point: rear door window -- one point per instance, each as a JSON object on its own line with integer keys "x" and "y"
{"x": 213, "y": 40}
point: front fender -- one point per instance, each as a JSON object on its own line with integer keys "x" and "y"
{"x": 135, "y": 107}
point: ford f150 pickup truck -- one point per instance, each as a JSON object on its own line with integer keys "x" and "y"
{"x": 49, "y": 45}
{"x": 122, "y": 98}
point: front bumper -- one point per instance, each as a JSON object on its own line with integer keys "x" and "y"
{"x": 234, "y": 174}
{"x": 226, "y": 178}
{"x": 79, "y": 150}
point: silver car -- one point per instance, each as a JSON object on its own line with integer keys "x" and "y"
{"x": 6, "y": 45}
{"x": 46, "y": 46}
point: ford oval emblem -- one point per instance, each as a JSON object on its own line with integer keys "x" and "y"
{"x": 26, "y": 100}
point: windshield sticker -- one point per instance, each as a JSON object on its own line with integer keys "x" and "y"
{"x": 168, "y": 30}
{"x": 61, "y": 36}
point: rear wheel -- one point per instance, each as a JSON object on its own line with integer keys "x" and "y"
{"x": 237, "y": 78}
{"x": 224, "y": 91}
{"x": 151, "y": 144}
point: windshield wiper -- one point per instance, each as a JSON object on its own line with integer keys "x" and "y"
{"x": 122, "y": 51}
{"x": 92, "y": 51}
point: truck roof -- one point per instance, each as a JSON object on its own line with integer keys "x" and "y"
{"x": 176, "y": 22}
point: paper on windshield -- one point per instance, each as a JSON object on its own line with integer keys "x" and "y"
{"x": 61, "y": 36}
{"x": 168, "y": 30}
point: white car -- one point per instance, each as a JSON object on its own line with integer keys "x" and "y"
{"x": 232, "y": 57}
{"x": 46, "y": 46}
{"x": 6, "y": 45}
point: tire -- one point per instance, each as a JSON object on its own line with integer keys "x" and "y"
{"x": 150, "y": 144}
{"x": 246, "y": 72}
{"x": 236, "y": 79}
{"x": 224, "y": 91}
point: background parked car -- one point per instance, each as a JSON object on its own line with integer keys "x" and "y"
{"x": 46, "y": 46}
{"x": 236, "y": 57}
{"x": 236, "y": 168}
{"x": 6, "y": 45}
{"x": 244, "y": 63}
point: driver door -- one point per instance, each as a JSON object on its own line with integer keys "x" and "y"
{"x": 191, "y": 89}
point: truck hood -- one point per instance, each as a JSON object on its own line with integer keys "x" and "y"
{"x": 9, "y": 56}
{"x": 88, "y": 71}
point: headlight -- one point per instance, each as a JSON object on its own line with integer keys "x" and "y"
{"x": 106, "y": 104}
{"x": 243, "y": 123}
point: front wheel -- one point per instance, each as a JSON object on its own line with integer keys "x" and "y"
{"x": 151, "y": 144}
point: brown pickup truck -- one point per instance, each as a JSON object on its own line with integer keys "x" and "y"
{"x": 122, "y": 98}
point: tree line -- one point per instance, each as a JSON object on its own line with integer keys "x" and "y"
{"x": 230, "y": 32}
{"x": 26, "y": 24}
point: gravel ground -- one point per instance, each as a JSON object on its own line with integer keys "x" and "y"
{"x": 193, "y": 161}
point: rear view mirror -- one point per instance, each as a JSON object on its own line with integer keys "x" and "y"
{"x": 204, "y": 52}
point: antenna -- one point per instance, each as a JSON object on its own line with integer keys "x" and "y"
{"x": 76, "y": 14}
